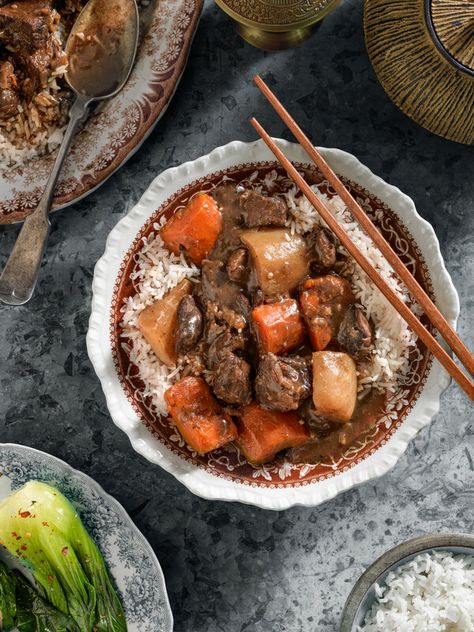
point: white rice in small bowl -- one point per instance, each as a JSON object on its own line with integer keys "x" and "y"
{"x": 433, "y": 592}
{"x": 423, "y": 585}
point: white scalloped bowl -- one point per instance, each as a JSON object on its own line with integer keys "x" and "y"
{"x": 210, "y": 479}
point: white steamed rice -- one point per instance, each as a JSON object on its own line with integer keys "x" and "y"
{"x": 432, "y": 593}
{"x": 157, "y": 270}
{"x": 393, "y": 338}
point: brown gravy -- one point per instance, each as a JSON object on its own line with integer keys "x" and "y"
{"x": 332, "y": 447}
{"x": 328, "y": 440}
{"x": 232, "y": 214}
{"x": 96, "y": 64}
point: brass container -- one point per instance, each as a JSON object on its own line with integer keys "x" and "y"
{"x": 423, "y": 54}
{"x": 276, "y": 24}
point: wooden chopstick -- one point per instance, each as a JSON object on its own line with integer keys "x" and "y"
{"x": 404, "y": 311}
{"x": 415, "y": 289}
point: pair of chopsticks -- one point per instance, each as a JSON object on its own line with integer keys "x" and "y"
{"x": 429, "y": 308}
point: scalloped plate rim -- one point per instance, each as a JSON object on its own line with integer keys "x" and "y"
{"x": 196, "y": 480}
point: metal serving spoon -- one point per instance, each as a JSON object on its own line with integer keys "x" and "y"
{"x": 101, "y": 50}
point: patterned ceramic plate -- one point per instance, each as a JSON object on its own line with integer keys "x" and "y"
{"x": 223, "y": 474}
{"x": 131, "y": 559}
{"x": 116, "y": 130}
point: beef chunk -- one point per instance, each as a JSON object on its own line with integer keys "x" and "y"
{"x": 26, "y": 24}
{"x": 355, "y": 333}
{"x": 222, "y": 299}
{"x": 257, "y": 297}
{"x": 190, "y": 325}
{"x": 237, "y": 266}
{"x": 9, "y": 99}
{"x": 282, "y": 383}
{"x": 26, "y": 27}
{"x": 36, "y": 66}
{"x": 242, "y": 306}
{"x": 215, "y": 285}
{"x": 220, "y": 340}
{"x": 261, "y": 210}
{"x": 9, "y": 102}
{"x": 322, "y": 249}
{"x": 226, "y": 311}
{"x": 231, "y": 381}
{"x": 324, "y": 301}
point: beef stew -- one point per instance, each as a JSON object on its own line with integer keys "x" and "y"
{"x": 276, "y": 330}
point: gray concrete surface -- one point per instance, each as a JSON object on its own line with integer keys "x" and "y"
{"x": 231, "y": 567}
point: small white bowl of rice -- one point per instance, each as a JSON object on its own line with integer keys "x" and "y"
{"x": 422, "y": 585}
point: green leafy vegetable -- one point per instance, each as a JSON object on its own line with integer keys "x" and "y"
{"x": 28, "y": 611}
{"x": 40, "y": 527}
{"x": 36, "y": 615}
{"x": 7, "y": 598}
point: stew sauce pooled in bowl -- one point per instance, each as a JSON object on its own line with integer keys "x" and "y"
{"x": 249, "y": 328}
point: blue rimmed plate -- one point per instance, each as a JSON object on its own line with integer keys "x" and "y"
{"x": 131, "y": 560}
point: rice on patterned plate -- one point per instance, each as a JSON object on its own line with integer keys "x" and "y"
{"x": 33, "y": 124}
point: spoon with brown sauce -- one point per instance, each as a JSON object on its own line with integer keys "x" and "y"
{"x": 101, "y": 50}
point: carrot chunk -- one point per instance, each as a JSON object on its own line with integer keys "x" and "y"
{"x": 198, "y": 416}
{"x": 194, "y": 228}
{"x": 263, "y": 433}
{"x": 279, "y": 326}
{"x": 324, "y": 301}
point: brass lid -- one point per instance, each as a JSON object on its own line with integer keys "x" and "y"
{"x": 277, "y": 16}
{"x": 423, "y": 52}
{"x": 453, "y": 24}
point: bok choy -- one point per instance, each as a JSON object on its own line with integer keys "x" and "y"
{"x": 40, "y": 527}
{"x": 7, "y": 599}
{"x": 24, "y": 610}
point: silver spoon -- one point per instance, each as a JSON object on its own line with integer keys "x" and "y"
{"x": 101, "y": 50}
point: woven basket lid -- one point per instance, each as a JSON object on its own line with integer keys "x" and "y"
{"x": 423, "y": 54}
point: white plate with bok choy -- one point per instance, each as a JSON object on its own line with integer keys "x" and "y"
{"x": 96, "y": 571}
